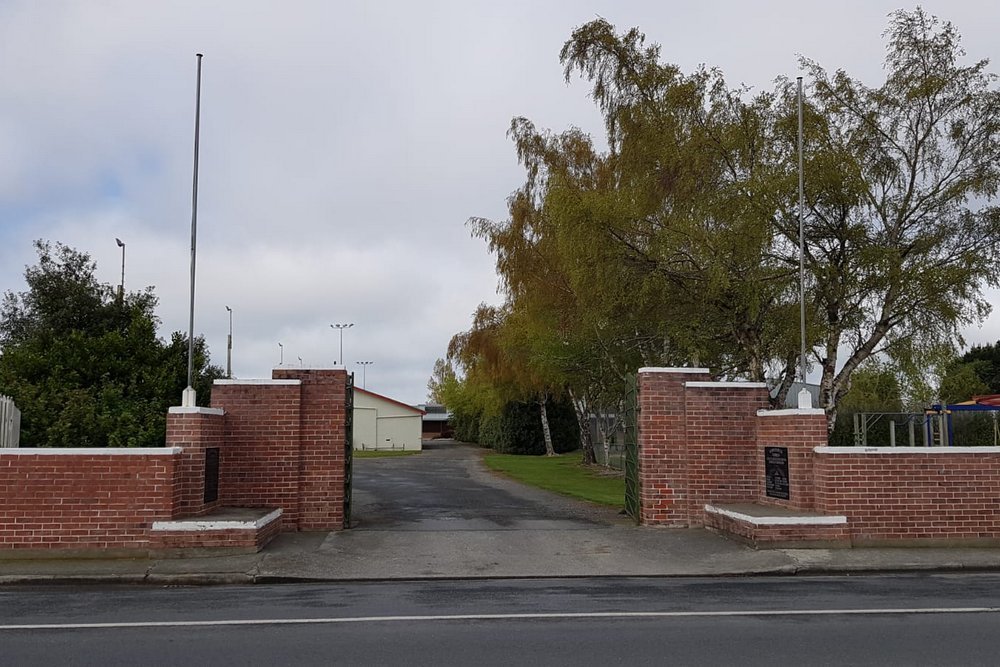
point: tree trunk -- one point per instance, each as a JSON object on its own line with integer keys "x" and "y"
{"x": 605, "y": 428}
{"x": 583, "y": 421}
{"x": 834, "y": 385}
{"x": 787, "y": 378}
{"x": 546, "y": 433}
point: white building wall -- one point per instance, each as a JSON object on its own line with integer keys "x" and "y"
{"x": 384, "y": 424}
{"x": 365, "y": 428}
{"x": 399, "y": 432}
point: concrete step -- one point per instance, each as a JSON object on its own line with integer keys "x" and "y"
{"x": 226, "y": 530}
{"x": 773, "y": 527}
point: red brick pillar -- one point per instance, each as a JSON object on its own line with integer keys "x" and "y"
{"x": 721, "y": 438}
{"x": 800, "y": 430}
{"x": 662, "y": 441}
{"x": 322, "y": 447}
{"x": 194, "y": 430}
{"x": 263, "y": 433}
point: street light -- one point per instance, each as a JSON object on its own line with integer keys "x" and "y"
{"x": 229, "y": 346}
{"x": 121, "y": 290}
{"x": 281, "y": 354}
{"x": 300, "y": 362}
{"x": 341, "y": 327}
{"x": 364, "y": 372}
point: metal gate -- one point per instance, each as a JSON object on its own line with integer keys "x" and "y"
{"x": 630, "y": 426}
{"x": 348, "y": 447}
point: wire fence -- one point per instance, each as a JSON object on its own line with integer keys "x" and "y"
{"x": 980, "y": 428}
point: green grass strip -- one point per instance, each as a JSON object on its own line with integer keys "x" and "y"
{"x": 383, "y": 453}
{"x": 562, "y": 474}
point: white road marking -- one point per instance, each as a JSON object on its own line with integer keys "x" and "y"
{"x": 501, "y": 617}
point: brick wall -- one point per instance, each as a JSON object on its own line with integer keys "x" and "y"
{"x": 86, "y": 498}
{"x": 282, "y": 444}
{"x": 286, "y": 445}
{"x": 697, "y": 443}
{"x": 194, "y": 430}
{"x": 323, "y": 444}
{"x": 702, "y": 443}
{"x": 260, "y": 465}
{"x": 663, "y": 459}
{"x": 800, "y": 431}
{"x": 895, "y": 495}
{"x": 721, "y": 435}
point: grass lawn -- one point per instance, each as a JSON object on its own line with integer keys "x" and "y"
{"x": 563, "y": 474}
{"x": 382, "y": 453}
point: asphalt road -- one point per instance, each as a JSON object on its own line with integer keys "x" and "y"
{"x": 911, "y": 620}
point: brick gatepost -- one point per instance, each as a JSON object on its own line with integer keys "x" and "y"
{"x": 662, "y": 442}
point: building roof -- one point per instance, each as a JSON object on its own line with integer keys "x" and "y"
{"x": 989, "y": 399}
{"x": 391, "y": 400}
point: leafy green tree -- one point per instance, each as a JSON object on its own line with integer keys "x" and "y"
{"x": 489, "y": 359}
{"x": 986, "y": 360}
{"x": 679, "y": 244}
{"x": 899, "y": 243}
{"x": 875, "y": 387}
{"x": 962, "y": 382}
{"x": 442, "y": 375}
{"x": 693, "y": 171}
{"x": 83, "y": 362}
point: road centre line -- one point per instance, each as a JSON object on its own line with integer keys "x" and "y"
{"x": 501, "y": 617}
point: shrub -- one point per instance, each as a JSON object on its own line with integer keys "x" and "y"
{"x": 518, "y": 429}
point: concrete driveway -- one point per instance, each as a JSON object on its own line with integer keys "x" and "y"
{"x": 447, "y": 488}
{"x": 441, "y": 513}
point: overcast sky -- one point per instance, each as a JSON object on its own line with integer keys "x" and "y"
{"x": 344, "y": 146}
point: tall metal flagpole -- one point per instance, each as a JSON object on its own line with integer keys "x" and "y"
{"x": 802, "y": 253}
{"x": 189, "y": 393}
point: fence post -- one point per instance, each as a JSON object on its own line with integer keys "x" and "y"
{"x": 10, "y": 423}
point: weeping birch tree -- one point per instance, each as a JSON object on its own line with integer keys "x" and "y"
{"x": 679, "y": 242}
{"x": 901, "y": 233}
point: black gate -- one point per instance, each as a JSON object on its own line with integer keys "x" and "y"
{"x": 630, "y": 425}
{"x": 348, "y": 448}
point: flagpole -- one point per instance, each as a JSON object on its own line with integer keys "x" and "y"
{"x": 189, "y": 398}
{"x": 802, "y": 252}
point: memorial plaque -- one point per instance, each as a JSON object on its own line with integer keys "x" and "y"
{"x": 211, "y": 474}
{"x": 776, "y": 472}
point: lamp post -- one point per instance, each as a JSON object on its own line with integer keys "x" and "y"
{"x": 364, "y": 372}
{"x": 229, "y": 346}
{"x": 300, "y": 362}
{"x": 341, "y": 327}
{"x": 281, "y": 354}
{"x": 121, "y": 289}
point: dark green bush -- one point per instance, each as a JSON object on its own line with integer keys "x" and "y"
{"x": 518, "y": 429}
{"x": 465, "y": 426}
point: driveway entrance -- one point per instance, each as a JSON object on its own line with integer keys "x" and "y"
{"x": 446, "y": 488}
{"x": 442, "y": 514}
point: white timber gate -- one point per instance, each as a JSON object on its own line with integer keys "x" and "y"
{"x": 10, "y": 423}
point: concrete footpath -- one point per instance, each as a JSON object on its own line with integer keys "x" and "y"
{"x": 442, "y": 515}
